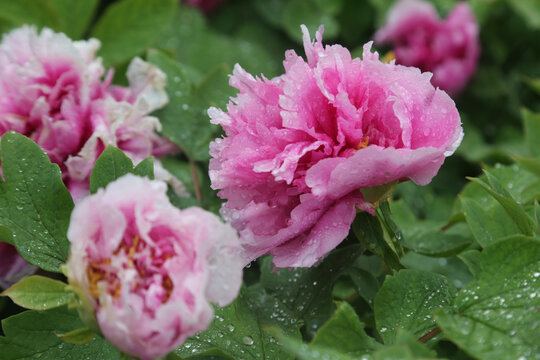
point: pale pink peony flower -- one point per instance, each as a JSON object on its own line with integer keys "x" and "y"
{"x": 47, "y": 86}
{"x": 51, "y": 90}
{"x": 448, "y": 48}
{"x": 12, "y": 266}
{"x": 300, "y": 148}
{"x": 148, "y": 270}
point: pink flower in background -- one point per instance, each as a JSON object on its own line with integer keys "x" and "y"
{"x": 147, "y": 269}
{"x": 299, "y": 149}
{"x": 448, "y": 48}
{"x": 12, "y": 266}
{"x": 206, "y": 6}
{"x": 51, "y": 91}
{"x": 47, "y": 86}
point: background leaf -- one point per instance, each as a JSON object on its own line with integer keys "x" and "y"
{"x": 128, "y": 27}
{"x": 69, "y": 17}
{"x": 185, "y": 120}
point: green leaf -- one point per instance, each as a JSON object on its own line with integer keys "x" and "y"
{"x": 38, "y": 293}
{"x": 531, "y": 123}
{"x": 523, "y": 222}
{"x": 496, "y": 315}
{"x": 344, "y": 332}
{"x": 438, "y": 244}
{"x": 523, "y": 185}
{"x": 308, "y": 291}
{"x": 487, "y": 224}
{"x": 471, "y": 259}
{"x": 18, "y": 13}
{"x": 407, "y": 300}
{"x": 534, "y": 83}
{"x": 300, "y": 12}
{"x": 73, "y": 16}
{"x": 271, "y": 11}
{"x": 184, "y": 121}
{"x": 6, "y": 235}
{"x": 213, "y": 89}
{"x": 78, "y": 336}
{"x": 113, "y": 164}
{"x": 128, "y": 27}
{"x": 183, "y": 171}
{"x": 145, "y": 168}
{"x": 32, "y": 334}
{"x": 530, "y": 164}
{"x": 304, "y": 351}
{"x": 451, "y": 267}
{"x": 529, "y": 10}
{"x": 366, "y": 284}
{"x": 369, "y": 232}
{"x": 406, "y": 347}
{"x": 238, "y": 329}
{"x": 69, "y": 17}
{"x": 331, "y": 7}
{"x": 200, "y": 47}
{"x": 34, "y": 203}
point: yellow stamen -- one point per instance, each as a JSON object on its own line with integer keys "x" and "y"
{"x": 133, "y": 247}
{"x": 168, "y": 286}
{"x": 363, "y": 144}
{"x": 389, "y": 56}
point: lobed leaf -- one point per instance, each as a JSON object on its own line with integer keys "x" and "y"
{"x": 407, "y": 301}
{"x": 308, "y": 291}
{"x": 496, "y": 315}
{"x": 345, "y": 332}
{"x": 237, "y": 330}
{"x": 34, "y": 203}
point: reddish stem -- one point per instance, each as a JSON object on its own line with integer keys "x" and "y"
{"x": 195, "y": 180}
{"x": 430, "y": 335}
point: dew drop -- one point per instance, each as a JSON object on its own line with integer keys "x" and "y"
{"x": 248, "y": 340}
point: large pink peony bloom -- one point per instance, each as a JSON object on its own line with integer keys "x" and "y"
{"x": 300, "y": 147}
{"x": 447, "y": 48}
{"x": 51, "y": 91}
{"x": 12, "y": 266}
{"x": 147, "y": 269}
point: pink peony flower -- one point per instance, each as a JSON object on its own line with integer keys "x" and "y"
{"x": 447, "y": 48}
{"x": 206, "y": 6}
{"x": 12, "y": 266}
{"x": 147, "y": 269}
{"x": 51, "y": 91}
{"x": 300, "y": 149}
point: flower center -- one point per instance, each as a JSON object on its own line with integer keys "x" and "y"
{"x": 128, "y": 256}
{"x": 363, "y": 143}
